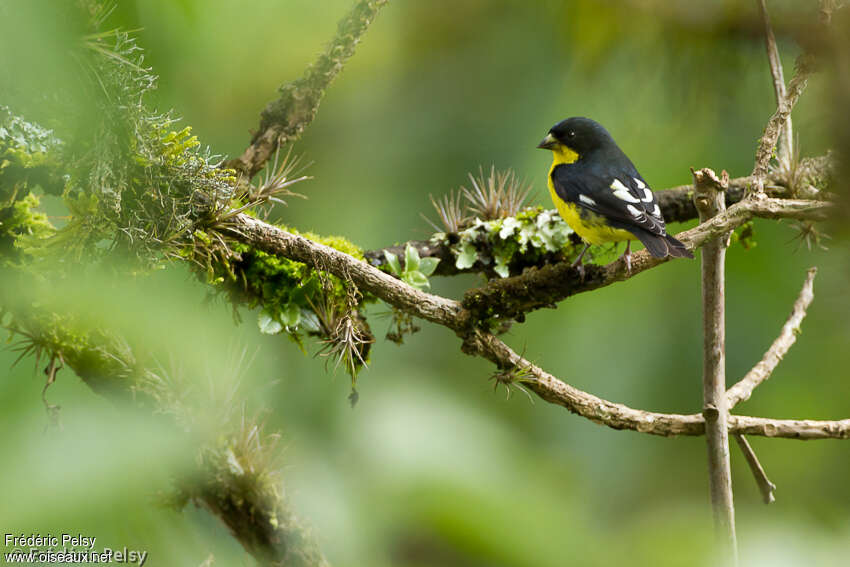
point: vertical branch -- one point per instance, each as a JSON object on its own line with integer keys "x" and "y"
{"x": 709, "y": 198}
{"x": 785, "y": 149}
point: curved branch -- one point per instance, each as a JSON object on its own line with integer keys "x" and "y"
{"x": 742, "y": 390}
{"x": 283, "y": 120}
{"x": 619, "y": 416}
{"x": 450, "y": 314}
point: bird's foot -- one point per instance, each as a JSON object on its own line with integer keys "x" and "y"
{"x": 627, "y": 257}
{"x": 579, "y": 267}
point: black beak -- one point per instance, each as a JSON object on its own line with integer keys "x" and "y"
{"x": 548, "y": 142}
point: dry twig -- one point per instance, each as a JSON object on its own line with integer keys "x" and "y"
{"x": 766, "y": 487}
{"x": 786, "y": 140}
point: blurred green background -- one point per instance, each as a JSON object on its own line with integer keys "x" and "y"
{"x": 432, "y": 467}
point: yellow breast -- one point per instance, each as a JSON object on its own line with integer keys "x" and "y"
{"x": 591, "y": 227}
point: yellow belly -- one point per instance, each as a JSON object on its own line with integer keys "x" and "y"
{"x": 590, "y": 227}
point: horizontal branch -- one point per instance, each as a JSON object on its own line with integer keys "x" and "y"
{"x": 676, "y": 203}
{"x": 512, "y": 297}
{"x": 786, "y": 339}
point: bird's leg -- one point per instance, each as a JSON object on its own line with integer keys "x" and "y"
{"x": 627, "y": 256}
{"x": 577, "y": 264}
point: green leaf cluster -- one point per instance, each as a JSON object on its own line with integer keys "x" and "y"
{"x": 415, "y": 271}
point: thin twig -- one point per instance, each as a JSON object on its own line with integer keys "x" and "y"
{"x": 742, "y": 390}
{"x": 785, "y": 146}
{"x": 766, "y": 487}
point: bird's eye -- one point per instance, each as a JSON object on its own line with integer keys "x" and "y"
{"x": 571, "y": 134}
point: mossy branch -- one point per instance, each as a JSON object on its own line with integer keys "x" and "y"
{"x": 512, "y": 298}
{"x": 285, "y": 118}
{"x": 237, "y": 477}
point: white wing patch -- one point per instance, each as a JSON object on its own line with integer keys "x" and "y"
{"x": 639, "y": 183}
{"x": 622, "y": 192}
{"x": 587, "y": 200}
{"x": 633, "y": 211}
{"x": 656, "y": 212}
{"x": 647, "y": 195}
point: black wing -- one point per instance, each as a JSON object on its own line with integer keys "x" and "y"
{"x": 624, "y": 200}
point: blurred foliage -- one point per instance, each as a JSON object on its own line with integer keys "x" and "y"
{"x": 429, "y": 469}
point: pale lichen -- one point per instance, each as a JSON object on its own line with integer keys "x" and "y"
{"x": 504, "y": 246}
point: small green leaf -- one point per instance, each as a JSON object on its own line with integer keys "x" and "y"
{"x": 291, "y": 315}
{"x": 466, "y": 257}
{"x": 268, "y": 325}
{"x": 417, "y": 280}
{"x": 392, "y": 262}
{"x": 501, "y": 266}
{"x": 428, "y": 265}
{"x": 411, "y": 259}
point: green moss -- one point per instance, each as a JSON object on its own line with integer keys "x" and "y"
{"x": 337, "y": 242}
{"x": 22, "y": 229}
{"x": 103, "y": 361}
{"x": 287, "y": 292}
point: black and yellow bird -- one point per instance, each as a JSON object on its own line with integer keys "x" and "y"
{"x": 600, "y": 194}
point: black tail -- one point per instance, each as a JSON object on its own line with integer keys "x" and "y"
{"x": 662, "y": 246}
{"x": 677, "y": 249}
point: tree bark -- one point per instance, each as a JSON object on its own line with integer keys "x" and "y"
{"x": 709, "y": 200}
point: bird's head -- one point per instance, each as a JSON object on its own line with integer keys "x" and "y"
{"x": 575, "y": 137}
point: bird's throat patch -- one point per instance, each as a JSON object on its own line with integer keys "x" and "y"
{"x": 563, "y": 154}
